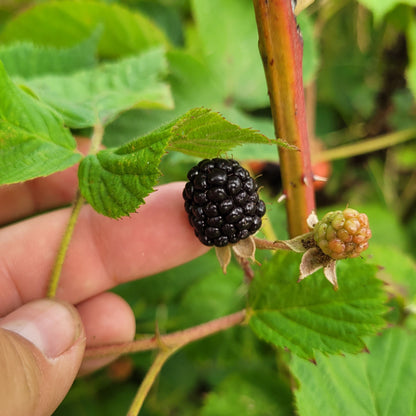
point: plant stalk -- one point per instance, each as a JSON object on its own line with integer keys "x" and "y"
{"x": 366, "y": 145}
{"x": 173, "y": 340}
{"x": 66, "y": 239}
{"x": 148, "y": 381}
{"x": 96, "y": 140}
{"x": 281, "y": 50}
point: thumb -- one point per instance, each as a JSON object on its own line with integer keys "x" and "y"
{"x": 41, "y": 348}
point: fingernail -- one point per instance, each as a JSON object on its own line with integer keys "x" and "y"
{"x": 51, "y": 326}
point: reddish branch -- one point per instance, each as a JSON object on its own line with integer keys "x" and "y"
{"x": 281, "y": 49}
{"x": 173, "y": 340}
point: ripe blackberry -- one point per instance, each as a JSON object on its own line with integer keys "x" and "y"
{"x": 343, "y": 234}
{"x": 222, "y": 202}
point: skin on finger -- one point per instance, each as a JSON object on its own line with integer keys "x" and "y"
{"x": 107, "y": 319}
{"x": 103, "y": 252}
{"x": 30, "y": 383}
{"x": 23, "y": 199}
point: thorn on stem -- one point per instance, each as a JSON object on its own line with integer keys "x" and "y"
{"x": 281, "y": 198}
{"x": 318, "y": 178}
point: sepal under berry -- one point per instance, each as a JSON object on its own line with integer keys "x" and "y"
{"x": 313, "y": 260}
{"x": 243, "y": 250}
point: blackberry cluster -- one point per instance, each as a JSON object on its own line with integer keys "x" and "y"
{"x": 222, "y": 202}
{"x": 343, "y": 234}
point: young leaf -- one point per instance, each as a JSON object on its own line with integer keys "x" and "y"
{"x": 33, "y": 140}
{"x": 115, "y": 181}
{"x": 203, "y": 133}
{"x": 65, "y": 23}
{"x": 380, "y": 383}
{"x": 105, "y": 91}
{"x": 27, "y": 60}
{"x": 310, "y": 316}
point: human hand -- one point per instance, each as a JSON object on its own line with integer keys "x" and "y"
{"x": 42, "y": 341}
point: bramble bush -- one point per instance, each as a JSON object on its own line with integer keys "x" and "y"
{"x": 164, "y": 84}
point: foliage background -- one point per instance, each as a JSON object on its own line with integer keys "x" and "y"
{"x": 360, "y": 80}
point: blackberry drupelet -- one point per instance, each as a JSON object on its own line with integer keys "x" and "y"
{"x": 222, "y": 202}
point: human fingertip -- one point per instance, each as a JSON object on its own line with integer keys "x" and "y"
{"x": 52, "y": 326}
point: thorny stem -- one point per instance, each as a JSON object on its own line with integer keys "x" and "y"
{"x": 96, "y": 140}
{"x": 281, "y": 50}
{"x": 148, "y": 381}
{"x": 173, "y": 340}
{"x": 167, "y": 345}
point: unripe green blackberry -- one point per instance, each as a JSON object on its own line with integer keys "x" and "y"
{"x": 222, "y": 202}
{"x": 343, "y": 234}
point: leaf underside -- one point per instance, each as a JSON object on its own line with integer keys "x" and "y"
{"x": 101, "y": 93}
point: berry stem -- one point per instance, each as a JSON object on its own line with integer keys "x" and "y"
{"x": 169, "y": 341}
{"x": 281, "y": 50}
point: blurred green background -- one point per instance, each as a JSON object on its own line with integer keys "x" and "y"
{"x": 360, "y": 83}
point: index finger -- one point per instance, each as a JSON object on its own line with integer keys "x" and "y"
{"x": 103, "y": 253}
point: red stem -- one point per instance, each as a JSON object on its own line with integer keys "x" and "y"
{"x": 281, "y": 49}
{"x": 173, "y": 340}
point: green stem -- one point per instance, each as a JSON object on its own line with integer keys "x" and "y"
{"x": 148, "y": 381}
{"x": 367, "y": 145}
{"x": 60, "y": 258}
{"x": 168, "y": 345}
{"x": 281, "y": 50}
{"x": 96, "y": 140}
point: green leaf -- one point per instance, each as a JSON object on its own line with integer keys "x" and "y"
{"x": 411, "y": 47}
{"x": 27, "y": 60}
{"x": 232, "y": 51}
{"x": 310, "y": 316}
{"x": 65, "y": 23}
{"x": 253, "y": 393}
{"x": 347, "y": 81}
{"x": 398, "y": 269}
{"x": 203, "y": 133}
{"x": 380, "y": 383}
{"x": 381, "y": 8}
{"x": 193, "y": 85}
{"x": 310, "y": 60}
{"x": 33, "y": 140}
{"x": 105, "y": 91}
{"x": 115, "y": 181}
